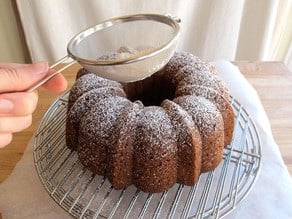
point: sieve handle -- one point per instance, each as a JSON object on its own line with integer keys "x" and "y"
{"x": 49, "y": 77}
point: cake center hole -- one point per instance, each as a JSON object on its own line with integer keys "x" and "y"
{"x": 150, "y": 91}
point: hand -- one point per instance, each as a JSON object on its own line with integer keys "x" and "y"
{"x": 16, "y": 105}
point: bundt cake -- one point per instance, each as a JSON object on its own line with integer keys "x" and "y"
{"x": 167, "y": 128}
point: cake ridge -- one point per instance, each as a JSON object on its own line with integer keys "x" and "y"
{"x": 210, "y": 124}
{"x": 189, "y": 143}
{"x": 95, "y": 132}
{"x": 80, "y": 106}
{"x": 120, "y": 160}
{"x": 218, "y": 100}
{"x": 155, "y": 166}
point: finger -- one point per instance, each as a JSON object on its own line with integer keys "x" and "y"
{"x": 14, "y": 124}
{"x": 56, "y": 84}
{"x": 5, "y": 139}
{"x": 18, "y": 77}
{"x": 18, "y": 104}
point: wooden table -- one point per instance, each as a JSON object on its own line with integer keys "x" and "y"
{"x": 272, "y": 80}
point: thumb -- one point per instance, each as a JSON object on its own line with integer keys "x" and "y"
{"x": 20, "y": 77}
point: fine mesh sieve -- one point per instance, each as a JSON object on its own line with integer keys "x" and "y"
{"x": 150, "y": 41}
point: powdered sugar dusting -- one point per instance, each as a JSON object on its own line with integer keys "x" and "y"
{"x": 205, "y": 115}
{"x": 125, "y": 52}
{"x": 189, "y": 144}
{"x": 81, "y": 106}
{"x": 179, "y": 60}
{"x": 221, "y": 103}
{"x": 156, "y": 125}
{"x": 155, "y": 151}
{"x": 95, "y": 132}
{"x": 90, "y": 99}
{"x": 88, "y": 82}
{"x": 120, "y": 151}
{"x": 210, "y": 124}
{"x": 207, "y": 92}
{"x": 191, "y": 76}
{"x": 182, "y": 59}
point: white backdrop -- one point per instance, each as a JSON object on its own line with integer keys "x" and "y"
{"x": 212, "y": 29}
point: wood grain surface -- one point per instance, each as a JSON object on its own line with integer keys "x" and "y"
{"x": 272, "y": 80}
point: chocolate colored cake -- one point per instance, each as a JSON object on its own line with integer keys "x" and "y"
{"x": 152, "y": 133}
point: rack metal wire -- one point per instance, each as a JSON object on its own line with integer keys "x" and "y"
{"x": 85, "y": 195}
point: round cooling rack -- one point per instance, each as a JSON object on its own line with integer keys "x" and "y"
{"x": 85, "y": 195}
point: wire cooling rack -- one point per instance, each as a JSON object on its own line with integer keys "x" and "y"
{"x": 85, "y": 195}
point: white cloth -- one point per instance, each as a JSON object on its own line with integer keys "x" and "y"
{"x": 211, "y": 29}
{"x": 23, "y": 196}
